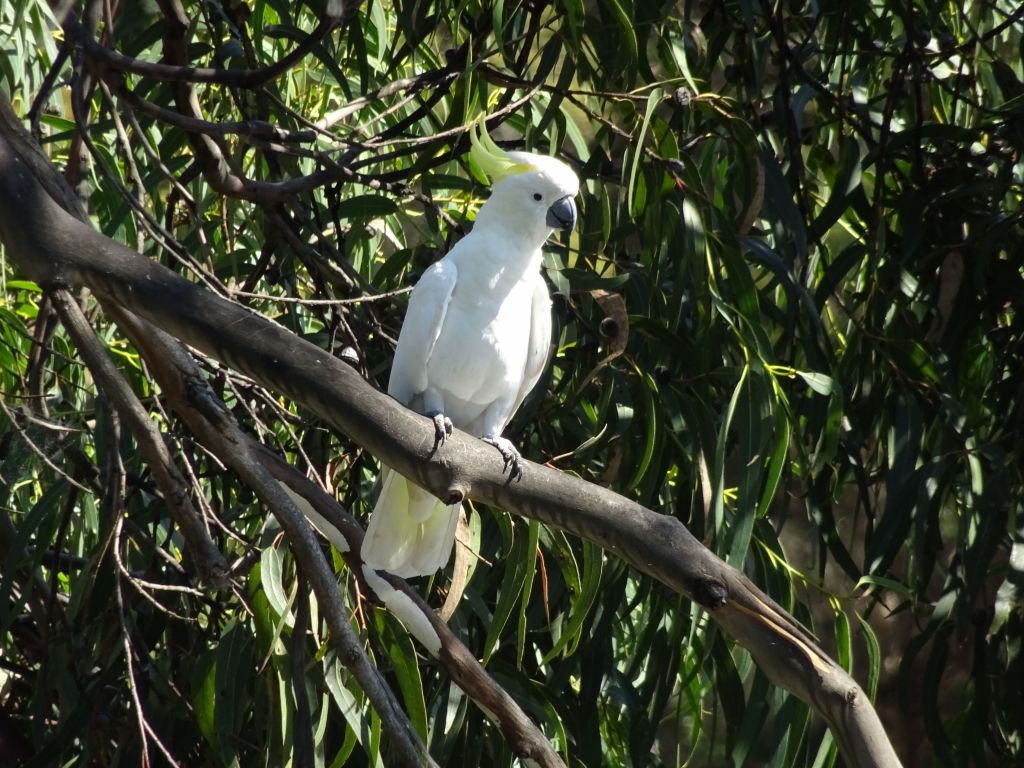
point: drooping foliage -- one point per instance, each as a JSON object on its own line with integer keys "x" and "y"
{"x": 790, "y": 316}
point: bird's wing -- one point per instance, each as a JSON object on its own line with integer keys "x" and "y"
{"x": 540, "y": 348}
{"x": 424, "y": 320}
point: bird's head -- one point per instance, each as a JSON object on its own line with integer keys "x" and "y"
{"x": 533, "y": 192}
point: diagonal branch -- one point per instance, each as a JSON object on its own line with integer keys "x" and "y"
{"x": 212, "y": 567}
{"x": 236, "y": 449}
{"x": 213, "y": 424}
{"x": 55, "y": 249}
{"x": 190, "y": 397}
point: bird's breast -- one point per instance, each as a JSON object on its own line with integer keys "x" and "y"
{"x": 480, "y": 355}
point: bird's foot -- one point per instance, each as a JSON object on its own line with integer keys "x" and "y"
{"x": 442, "y": 429}
{"x": 509, "y": 453}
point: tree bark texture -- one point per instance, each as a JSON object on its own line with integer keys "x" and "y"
{"x": 56, "y": 250}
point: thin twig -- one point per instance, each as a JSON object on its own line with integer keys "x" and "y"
{"x": 39, "y": 451}
{"x": 209, "y": 560}
{"x": 322, "y": 302}
{"x": 146, "y": 732}
{"x": 183, "y": 73}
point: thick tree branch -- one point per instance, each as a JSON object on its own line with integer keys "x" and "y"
{"x": 54, "y": 249}
{"x": 214, "y": 425}
{"x": 178, "y": 375}
{"x": 237, "y": 450}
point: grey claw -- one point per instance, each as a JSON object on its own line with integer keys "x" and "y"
{"x": 442, "y": 429}
{"x": 509, "y": 454}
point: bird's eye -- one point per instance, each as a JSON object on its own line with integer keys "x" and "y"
{"x": 538, "y": 196}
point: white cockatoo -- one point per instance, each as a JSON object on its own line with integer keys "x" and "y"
{"x": 474, "y": 342}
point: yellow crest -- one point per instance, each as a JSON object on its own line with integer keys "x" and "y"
{"x": 490, "y": 158}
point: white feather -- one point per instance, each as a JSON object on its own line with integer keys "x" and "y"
{"x": 402, "y": 606}
{"x": 474, "y": 342}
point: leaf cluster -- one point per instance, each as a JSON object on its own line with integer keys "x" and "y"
{"x": 790, "y": 317}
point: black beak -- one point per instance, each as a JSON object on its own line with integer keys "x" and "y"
{"x": 562, "y": 214}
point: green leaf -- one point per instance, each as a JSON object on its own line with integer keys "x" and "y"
{"x": 589, "y": 588}
{"x": 847, "y": 179}
{"x": 533, "y": 529}
{"x": 776, "y": 463}
{"x": 233, "y": 675}
{"x": 365, "y": 207}
{"x": 827, "y": 752}
{"x": 519, "y": 567}
{"x": 844, "y": 642}
{"x": 819, "y": 382}
{"x": 405, "y": 666}
{"x": 653, "y": 99}
{"x": 718, "y": 470}
{"x": 272, "y": 560}
{"x": 874, "y": 652}
{"x": 872, "y": 580}
{"x": 351, "y": 708}
{"x": 650, "y": 433}
{"x": 626, "y": 33}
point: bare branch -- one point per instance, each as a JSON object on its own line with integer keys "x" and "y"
{"x": 214, "y": 425}
{"x": 250, "y": 78}
{"x": 54, "y": 248}
{"x": 173, "y": 487}
{"x": 177, "y": 373}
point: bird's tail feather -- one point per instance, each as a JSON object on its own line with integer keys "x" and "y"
{"x": 411, "y": 532}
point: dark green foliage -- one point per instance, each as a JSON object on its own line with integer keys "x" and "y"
{"x": 790, "y": 317}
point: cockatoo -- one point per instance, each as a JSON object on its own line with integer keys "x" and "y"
{"x": 474, "y": 342}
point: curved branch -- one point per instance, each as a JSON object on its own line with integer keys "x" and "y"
{"x": 53, "y": 248}
{"x": 178, "y": 375}
{"x": 236, "y": 449}
{"x": 214, "y": 425}
{"x": 243, "y": 78}
{"x": 249, "y": 130}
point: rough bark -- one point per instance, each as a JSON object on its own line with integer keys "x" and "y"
{"x": 56, "y": 250}
{"x": 210, "y": 420}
